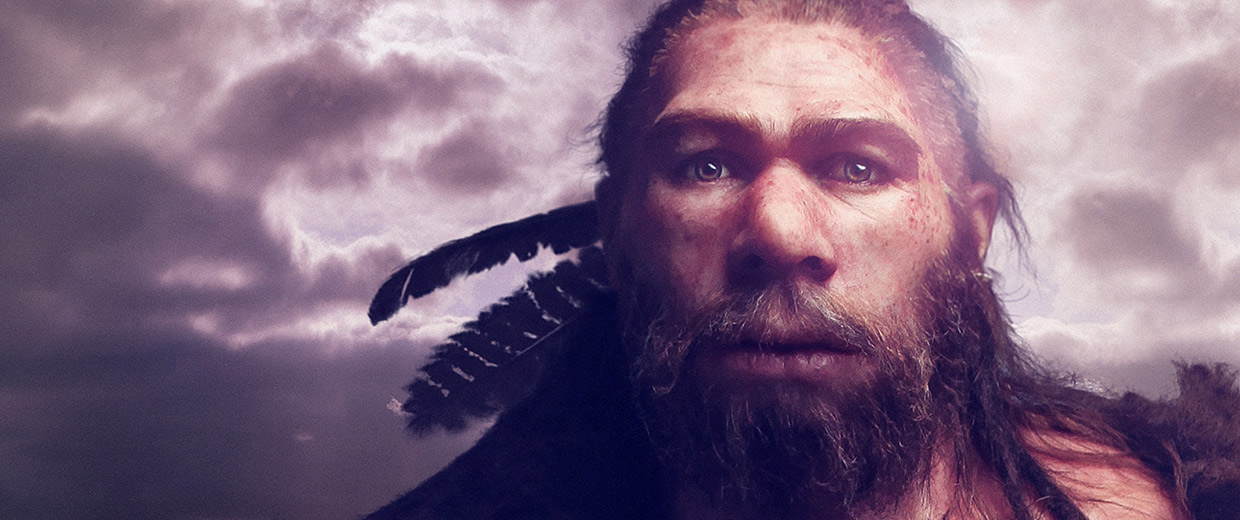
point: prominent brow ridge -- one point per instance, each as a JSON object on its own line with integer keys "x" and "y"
{"x": 812, "y": 130}
{"x": 726, "y": 124}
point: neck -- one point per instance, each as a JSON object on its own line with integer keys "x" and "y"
{"x": 951, "y": 490}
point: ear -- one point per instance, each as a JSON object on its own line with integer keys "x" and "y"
{"x": 981, "y": 203}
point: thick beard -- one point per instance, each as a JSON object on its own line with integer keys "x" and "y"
{"x": 783, "y": 449}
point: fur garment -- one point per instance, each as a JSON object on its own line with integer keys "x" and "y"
{"x": 577, "y": 448}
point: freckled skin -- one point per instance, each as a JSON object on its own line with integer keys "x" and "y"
{"x": 876, "y": 241}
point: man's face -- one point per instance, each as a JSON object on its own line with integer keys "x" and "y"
{"x": 789, "y": 157}
{"x": 781, "y": 253}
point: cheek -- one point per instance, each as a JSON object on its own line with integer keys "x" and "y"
{"x": 890, "y": 255}
{"x": 926, "y": 225}
{"x": 922, "y": 228}
{"x": 686, "y": 244}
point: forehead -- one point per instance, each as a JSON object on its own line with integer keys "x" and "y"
{"x": 784, "y": 74}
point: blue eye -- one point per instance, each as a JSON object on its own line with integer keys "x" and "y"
{"x": 707, "y": 169}
{"x": 851, "y": 169}
{"x": 858, "y": 171}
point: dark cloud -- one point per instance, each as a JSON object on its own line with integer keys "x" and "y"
{"x": 113, "y": 406}
{"x": 1205, "y": 107}
{"x": 1190, "y": 114}
{"x": 1127, "y": 229}
{"x": 309, "y": 100}
{"x": 1229, "y": 286}
{"x": 122, "y": 391}
{"x": 1144, "y": 261}
{"x": 113, "y": 23}
{"x": 24, "y": 76}
{"x": 475, "y": 159}
{"x": 58, "y": 48}
{"x": 109, "y": 242}
{"x": 181, "y": 429}
{"x": 99, "y": 221}
{"x": 299, "y": 108}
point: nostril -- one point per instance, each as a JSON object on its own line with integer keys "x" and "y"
{"x": 752, "y": 262}
{"x": 817, "y": 268}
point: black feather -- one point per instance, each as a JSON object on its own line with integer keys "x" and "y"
{"x": 496, "y": 360}
{"x": 560, "y": 229}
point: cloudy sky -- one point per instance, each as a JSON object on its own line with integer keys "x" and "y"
{"x": 199, "y": 197}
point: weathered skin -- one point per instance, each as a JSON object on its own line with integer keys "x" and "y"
{"x": 763, "y": 98}
{"x": 748, "y": 183}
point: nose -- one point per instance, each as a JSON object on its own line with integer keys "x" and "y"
{"x": 784, "y": 232}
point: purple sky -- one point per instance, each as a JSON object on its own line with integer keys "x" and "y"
{"x": 200, "y": 197}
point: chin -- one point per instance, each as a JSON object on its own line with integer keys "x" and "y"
{"x": 763, "y": 445}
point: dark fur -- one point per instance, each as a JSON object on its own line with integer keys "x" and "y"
{"x": 1192, "y": 441}
{"x": 575, "y": 449}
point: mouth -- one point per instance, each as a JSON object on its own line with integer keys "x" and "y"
{"x": 819, "y": 361}
{"x": 795, "y": 346}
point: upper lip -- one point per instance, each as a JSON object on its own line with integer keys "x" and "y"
{"x": 794, "y": 345}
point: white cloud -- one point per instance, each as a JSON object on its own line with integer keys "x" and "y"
{"x": 207, "y": 274}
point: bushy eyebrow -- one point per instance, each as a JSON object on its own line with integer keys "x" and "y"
{"x": 804, "y": 130}
{"x": 679, "y": 123}
{"x": 877, "y": 131}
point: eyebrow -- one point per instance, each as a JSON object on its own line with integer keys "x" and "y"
{"x": 806, "y": 129}
{"x": 670, "y": 125}
{"x": 879, "y": 130}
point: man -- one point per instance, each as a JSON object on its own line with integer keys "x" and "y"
{"x": 795, "y": 215}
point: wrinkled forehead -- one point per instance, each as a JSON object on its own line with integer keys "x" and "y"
{"x": 787, "y": 73}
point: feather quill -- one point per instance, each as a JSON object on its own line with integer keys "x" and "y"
{"x": 496, "y": 360}
{"x": 560, "y": 229}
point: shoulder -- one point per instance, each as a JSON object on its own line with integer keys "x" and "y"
{"x": 1105, "y": 482}
{"x": 573, "y": 449}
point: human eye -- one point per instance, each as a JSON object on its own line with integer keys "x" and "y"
{"x": 705, "y": 168}
{"x": 852, "y": 169}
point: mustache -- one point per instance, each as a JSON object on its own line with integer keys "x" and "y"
{"x": 785, "y": 317}
{"x": 788, "y": 316}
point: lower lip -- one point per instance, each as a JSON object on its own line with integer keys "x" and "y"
{"x": 805, "y": 366}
